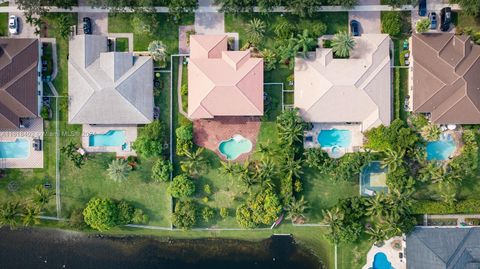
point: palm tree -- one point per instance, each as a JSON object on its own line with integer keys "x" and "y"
{"x": 342, "y": 44}
{"x": 228, "y": 168}
{"x": 255, "y": 30}
{"x": 41, "y": 196}
{"x": 158, "y": 50}
{"x": 266, "y": 169}
{"x": 377, "y": 234}
{"x": 448, "y": 193}
{"x": 8, "y": 214}
{"x": 431, "y": 132}
{"x": 333, "y": 218}
{"x": 30, "y": 215}
{"x": 269, "y": 59}
{"x": 376, "y": 206}
{"x": 286, "y": 51}
{"x": 304, "y": 43}
{"x": 290, "y": 132}
{"x": 118, "y": 170}
{"x": 295, "y": 209}
{"x": 194, "y": 162}
{"x": 393, "y": 159}
{"x": 265, "y": 149}
{"x": 292, "y": 167}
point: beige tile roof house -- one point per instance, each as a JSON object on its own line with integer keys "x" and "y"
{"x": 222, "y": 82}
{"x": 446, "y": 78}
{"x": 356, "y": 90}
{"x": 108, "y": 87}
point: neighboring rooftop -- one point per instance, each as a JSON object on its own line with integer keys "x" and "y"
{"x": 443, "y": 248}
{"x": 446, "y": 80}
{"x": 222, "y": 82}
{"x": 18, "y": 80}
{"x": 357, "y": 89}
{"x": 108, "y": 87}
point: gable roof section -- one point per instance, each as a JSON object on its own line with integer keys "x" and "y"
{"x": 357, "y": 89}
{"x": 443, "y": 248}
{"x": 446, "y": 83}
{"x": 108, "y": 87}
{"x": 18, "y": 80}
{"x": 222, "y": 82}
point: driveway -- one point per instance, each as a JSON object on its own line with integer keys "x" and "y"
{"x": 99, "y": 21}
{"x": 209, "y": 23}
{"x": 369, "y": 20}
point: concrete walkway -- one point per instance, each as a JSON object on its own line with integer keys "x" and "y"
{"x": 215, "y": 9}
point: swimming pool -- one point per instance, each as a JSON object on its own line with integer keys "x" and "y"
{"x": 113, "y": 138}
{"x": 234, "y": 147}
{"x": 19, "y": 149}
{"x": 373, "y": 178}
{"x": 441, "y": 149}
{"x": 334, "y": 138}
{"x": 380, "y": 261}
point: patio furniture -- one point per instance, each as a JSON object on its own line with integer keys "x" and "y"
{"x": 81, "y": 151}
{"x": 309, "y": 139}
{"x": 37, "y": 144}
{"x": 47, "y": 185}
{"x": 405, "y": 44}
{"x": 369, "y": 192}
{"x": 156, "y": 113}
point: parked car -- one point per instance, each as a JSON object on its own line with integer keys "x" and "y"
{"x": 87, "y": 26}
{"x": 355, "y": 27}
{"x": 433, "y": 20}
{"x": 13, "y": 25}
{"x": 445, "y": 18}
{"x": 422, "y": 7}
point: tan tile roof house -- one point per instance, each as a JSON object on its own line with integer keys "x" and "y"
{"x": 222, "y": 82}
{"x": 446, "y": 78}
{"x": 108, "y": 87}
{"x": 356, "y": 90}
{"x": 18, "y": 80}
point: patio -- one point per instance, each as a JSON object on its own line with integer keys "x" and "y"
{"x": 209, "y": 133}
{"x": 130, "y": 137}
{"x": 34, "y": 131}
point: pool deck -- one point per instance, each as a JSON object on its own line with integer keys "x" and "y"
{"x": 355, "y": 129}
{"x": 130, "y": 137}
{"x": 34, "y": 131}
{"x": 390, "y": 252}
{"x": 209, "y": 133}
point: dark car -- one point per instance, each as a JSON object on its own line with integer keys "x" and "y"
{"x": 445, "y": 18}
{"x": 422, "y": 7}
{"x": 433, "y": 20}
{"x": 355, "y": 27}
{"x": 87, "y": 26}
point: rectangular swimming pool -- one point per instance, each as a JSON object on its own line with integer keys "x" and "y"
{"x": 113, "y": 138}
{"x": 335, "y": 138}
{"x": 18, "y": 149}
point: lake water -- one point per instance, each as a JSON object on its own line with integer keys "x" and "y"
{"x": 49, "y": 248}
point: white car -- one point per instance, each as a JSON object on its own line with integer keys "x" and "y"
{"x": 13, "y": 25}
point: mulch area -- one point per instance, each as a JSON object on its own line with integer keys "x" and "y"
{"x": 208, "y": 133}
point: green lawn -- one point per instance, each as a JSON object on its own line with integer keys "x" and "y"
{"x": 167, "y": 31}
{"x": 3, "y": 24}
{"x": 121, "y": 44}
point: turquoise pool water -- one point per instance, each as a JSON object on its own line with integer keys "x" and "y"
{"x": 113, "y": 138}
{"x": 380, "y": 261}
{"x": 19, "y": 149}
{"x": 335, "y": 138}
{"x": 373, "y": 178}
{"x": 234, "y": 147}
{"x": 440, "y": 150}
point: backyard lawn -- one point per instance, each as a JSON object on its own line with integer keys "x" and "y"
{"x": 121, "y": 44}
{"x": 463, "y": 20}
{"x": 3, "y": 24}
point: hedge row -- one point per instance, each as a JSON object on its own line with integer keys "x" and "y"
{"x": 470, "y": 206}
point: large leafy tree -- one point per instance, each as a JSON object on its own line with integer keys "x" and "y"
{"x": 181, "y": 187}
{"x": 290, "y": 127}
{"x": 296, "y": 209}
{"x": 395, "y": 136}
{"x": 471, "y": 7}
{"x": 194, "y": 162}
{"x": 161, "y": 170}
{"x": 304, "y": 43}
{"x": 342, "y": 44}
{"x": 151, "y": 139}
{"x": 158, "y": 50}
{"x": 30, "y": 215}
{"x": 185, "y": 214}
{"x": 101, "y": 214}
{"x": 118, "y": 170}
{"x": 235, "y": 6}
{"x": 303, "y": 8}
{"x": 393, "y": 159}
{"x": 261, "y": 208}
{"x": 41, "y": 196}
{"x": 269, "y": 59}
{"x": 177, "y": 8}
{"x": 392, "y": 23}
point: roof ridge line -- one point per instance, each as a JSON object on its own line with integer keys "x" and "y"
{"x": 428, "y": 71}
{"x": 431, "y": 250}
{"x": 459, "y": 246}
{"x": 448, "y": 108}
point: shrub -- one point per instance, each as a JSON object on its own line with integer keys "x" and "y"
{"x": 402, "y": 57}
{"x": 418, "y": 121}
{"x": 150, "y": 140}
{"x": 45, "y": 113}
{"x": 396, "y": 136}
{"x": 470, "y": 206}
{"x": 261, "y": 208}
{"x": 422, "y": 25}
{"x": 184, "y": 216}
{"x": 70, "y": 151}
{"x": 316, "y": 28}
{"x": 392, "y": 23}
{"x": 184, "y": 90}
{"x": 161, "y": 170}
{"x": 181, "y": 187}
{"x": 224, "y": 212}
{"x": 101, "y": 214}
{"x": 284, "y": 29}
{"x": 207, "y": 189}
{"x": 184, "y": 136}
{"x": 207, "y": 213}
{"x": 139, "y": 217}
{"x": 125, "y": 212}
{"x": 298, "y": 186}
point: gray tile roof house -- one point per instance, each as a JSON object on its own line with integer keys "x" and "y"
{"x": 438, "y": 248}
{"x": 108, "y": 87}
